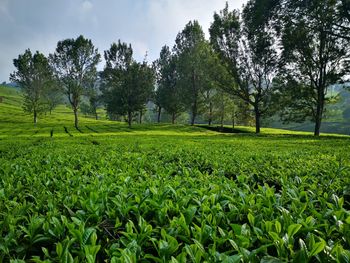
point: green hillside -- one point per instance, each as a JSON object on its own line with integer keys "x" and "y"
{"x": 168, "y": 193}
{"x": 14, "y": 122}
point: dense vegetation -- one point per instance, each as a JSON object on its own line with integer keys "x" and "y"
{"x": 272, "y": 58}
{"x": 165, "y": 193}
{"x": 200, "y": 198}
{"x": 79, "y": 189}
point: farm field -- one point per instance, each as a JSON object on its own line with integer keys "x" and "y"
{"x": 165, "y": 193}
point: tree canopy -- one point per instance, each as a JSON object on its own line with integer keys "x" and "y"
{"x": 274, "y": 57}
{"x": 313, "y": 58}
{"x": 75, "y": 65}
{"x": 247, "y": 48}
{"x": 34, "y": 76}
{"x": 127, "y": 84}
{"x": 194, "y": 60}
{"x": 168, "y": 94}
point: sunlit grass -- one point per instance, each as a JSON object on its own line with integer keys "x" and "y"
{"x": 15, "y": 123}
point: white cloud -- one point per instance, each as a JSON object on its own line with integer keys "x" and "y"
{"x": 86, "y": 6}
{"x": 87, "y": 16}
{"x": 140, "y": 48}
{"x": 166, "y": 18}
{"x": 4, "y": 10}
{"x": 146, "y": 24}
{"x": 4, "y": 6}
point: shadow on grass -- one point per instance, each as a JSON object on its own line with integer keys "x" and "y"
{"x": 117, "y": 128}
{"x": 91, "y": 129}
{"x": 224, "y": 129}
{"x": 66, "y": 131}
{"x": 79, "y": 130}
{"x": 282, "y": 135}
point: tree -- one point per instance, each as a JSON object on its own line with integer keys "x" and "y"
{"x": 33, "y": 74}
{"x": 93, "y": 96}
{"x": 168, "y": 95}
{"x": 90, "y": 106}
{"x": 128, "y": 85}
{"x": 314, "y": 57}
{"x": 157, "y": 100}
{"x": 341, "y": 20}
{"x": 74, "y": 63}
{"x": 53, "y": 96}
{"x": 193, "y": 56}
{"x": 209, "y": 96}
{"x": 225, "y": 108}
{"x": 247, "y": 48}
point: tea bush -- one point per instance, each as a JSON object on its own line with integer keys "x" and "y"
{"x": 176, "y": 197}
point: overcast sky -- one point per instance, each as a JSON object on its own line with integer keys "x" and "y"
{"x": 146, "y": 24}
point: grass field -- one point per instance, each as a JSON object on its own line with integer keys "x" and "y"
{"x": 165, "y": 193}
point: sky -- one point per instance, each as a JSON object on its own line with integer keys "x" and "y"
{"x": 146, "y": 24}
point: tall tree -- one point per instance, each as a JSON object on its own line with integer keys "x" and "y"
{"x": 193, "y": 55}
{"x": 75, "y": 62}
{"x": 168, "y": 94}
{"x": 209, "y": 97}
{"x": 128, "y": 85}
{"x": 53, "y": 96}
{"x": 314, "y": 57}
{"x": 247, "y": 48}
{"x": 342, "y": 20}
{"x": 224, "y": 108}
{"x": 157, "y": 100}
{"x": 93, "y": 95}
{"x": 33, "y": 74}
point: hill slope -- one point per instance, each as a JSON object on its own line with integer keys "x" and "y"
{"x": 15, "y": 123}
{"x": 168, "y": 193}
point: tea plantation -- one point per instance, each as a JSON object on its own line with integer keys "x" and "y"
{"x": 164, "y": 193}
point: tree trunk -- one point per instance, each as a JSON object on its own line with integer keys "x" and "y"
{"x": 222, "y": 114}
{"x": 96, "y": 115}
{"x": 129, "y": 118}
{"x": 222, "y": 120}
{"x": 140, "y": 116}
{"x": 233, "y": 118}
{"x": 35, "y": 117}
{"x": 321, "y": 81}
{"x": 194, "y": 106}
{"x": 210, "y": 113}
{"x": 173, "y": 117}
{"x": 318, "y": 117}
{"x": 76, "y": 122}
{"x": 159, "y": 112}
{"x": 257, "y": 119}
{"x": 194, "y": 113}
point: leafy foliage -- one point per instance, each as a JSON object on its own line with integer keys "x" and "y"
{"x": 140, "y": 198}
{"x": 128, "y": 85}
{"x": 168, "y": 95}
{"x": 194, "y": 61}
{"x": 35, "y": 78}
{"x": 74, "y": 63}
{"x": 314, "y": 57}
{"x": 246, "y": 45}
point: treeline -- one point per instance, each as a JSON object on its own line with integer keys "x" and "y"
{"x": 275, "y": 57}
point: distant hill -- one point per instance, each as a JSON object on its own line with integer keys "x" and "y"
{"x": 10, "y": 85}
